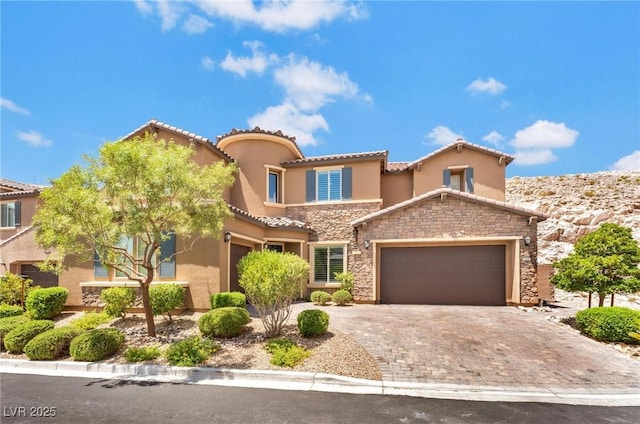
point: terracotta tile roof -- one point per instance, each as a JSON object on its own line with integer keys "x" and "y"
{"x": 336, "y": 158}
{"x": 395, "y": 167}
{"x": 272, "y": 222}
{"x": 192, "y": 136}
{"x": 19, "y": 186}
{"x": 455, "y": 144}
{"x": 258, "y": 130}
{"x": 455, "y": 193}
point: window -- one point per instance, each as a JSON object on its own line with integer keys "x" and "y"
{"x": 10, "y": 215}
{"x": 327, "y": 260}
{"x": 99, "y": 270}
{"x": 458, "y": 178}
{"x": 276, "y": 247}
{"x": 327, "y": 185}
{"x": 166, "y": 257}
{"x": 275, "y": 184}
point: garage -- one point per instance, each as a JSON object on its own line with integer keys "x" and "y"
{"x": 443, "y": 275}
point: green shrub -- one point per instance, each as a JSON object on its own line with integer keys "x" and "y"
{"x": 341, "y": 297}
{"x": 90, "y": 320}
{"x": 611, "y": 324}
{"x": 52, "y": 344}
{"x": 285, "y": 353}
{"x": 117, "y": 300}
{"x": 224, "y": 322}
{"x": 222, "y": 300}
{"x": 142, "y": 354}
{"x": 10, "y": 311}
{"x": 191, "y": 351}
{"x": 14, "y": 289}
{"x": 320, "y": 297}
{"x": 46, "y": 303}
{"x": 313, "y": 322}
{"x": 166, "y": 297}
{"x": 9, "y": 323}
{"x": 96, "y": 345}
{"x": 346, "y": 280}
{"x": 16, "y": 339}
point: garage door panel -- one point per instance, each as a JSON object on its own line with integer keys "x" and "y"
{"x": 462, "y": 275}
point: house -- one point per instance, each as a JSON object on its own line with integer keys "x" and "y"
{"x": 18, "y": 250}
{"x": 435, "y": 231}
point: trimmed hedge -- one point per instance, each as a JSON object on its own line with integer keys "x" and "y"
{"x": 224, "y": 322}
{"x": 96, "y": 345}
{"x": 223, "y": 300}
{"x": 46, "y": 303}
{"x": 9, "y": 323}
{"x": 17, "y": 339}
{"x": 10, "y": 311}
{"x": 341, "y": 297}
{"x": 285, "y": 353}
{"x": 190, "y": 351}
{"x": 90, "y": 320}
{"x": 117, "y": 300}
{"x": 166, "y": 297}
{"x": 313, "y": 322}
{"x": 611, "y": 324}
{"x": 320, "y": 297}
{"x": 52, "y": 344}
{"x": 142, "y": 354}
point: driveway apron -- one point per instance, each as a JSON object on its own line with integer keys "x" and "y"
{"x": 475, "y": 345}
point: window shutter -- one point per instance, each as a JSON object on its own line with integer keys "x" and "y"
{"x": 311, "y": 186}
{"x": 469, "y": 180}
{"x": 346, "y": 183}
{"x": 446, "y": 177}
{"x": 168, "y": 250}
{"x": 18, "y": 212}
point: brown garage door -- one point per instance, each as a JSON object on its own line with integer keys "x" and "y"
{"x": 443, "y": 275}
{"x": 237, "y": 252}
{"x": 42, "y": 279}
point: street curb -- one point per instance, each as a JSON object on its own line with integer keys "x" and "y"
{"x": 309, "y": 381}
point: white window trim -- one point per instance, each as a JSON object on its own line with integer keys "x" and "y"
{"x": 12, "y": 227}
{"x": 312, "y": 245}
{"x": 328, "y": 169}
{"x": 280, "y": 172}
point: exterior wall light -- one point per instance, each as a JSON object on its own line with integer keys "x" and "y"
{"x": 227, "y": 237}
{"x": 527, "y": 241}
{"x": 367, "y": 244}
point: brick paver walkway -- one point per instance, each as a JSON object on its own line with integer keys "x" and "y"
{"x": 492, "y": 346}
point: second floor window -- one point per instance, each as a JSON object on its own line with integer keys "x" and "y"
{"x": 329, "y": 185}
{"x": 274, "y": 189}
{"x": 459, "y": 179}
{"x": 10, "y": 214}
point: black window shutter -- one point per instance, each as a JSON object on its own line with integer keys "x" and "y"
{"x": 446, "y": 177}
{"x": 311, "y": 186}
{"x": 346, "y": 183}
{"x": 18, "y": 218}
{"x": 469, "y": 180}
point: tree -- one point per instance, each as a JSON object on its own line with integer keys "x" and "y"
{"x": 604, "y": 261}
{"x": 272, "y": 281}
{"x": 139, "y": 192}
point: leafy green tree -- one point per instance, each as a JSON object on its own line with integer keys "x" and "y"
{"x": 604, "y": 261}
{"x": 272, "y": 281}
{"x": 144, "y": 190}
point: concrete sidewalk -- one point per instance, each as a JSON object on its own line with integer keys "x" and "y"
{"x": 320, "y": 382}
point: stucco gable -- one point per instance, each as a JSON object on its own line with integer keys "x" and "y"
{"x": 462, "y": 144}
{"x": 454, "y": 193}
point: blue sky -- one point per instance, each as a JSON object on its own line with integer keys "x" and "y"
{"x": 556, "y": 84}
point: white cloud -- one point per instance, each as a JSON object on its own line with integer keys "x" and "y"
{"x": 311, "y": 85}
{"x": 207, "y": 63}
{"x": 258, "y": 62}
{"x": 627, "y": 163}
{"x": 528, "y": 157}
{"x": 8, "y": 104}
{"x": 169, "y": 13}
{"x": 291, "y": 121}
{"x": 443, "y": 135}
{"x": 491, "y": 86}
{"x": 494, "y": 137}
{"x": 196, "y": 24}
{"x": 143, "y": 7}
{"x": 544, "y": 134}
{"x": 505, "y": 104}
{"x": 34, "y": 138}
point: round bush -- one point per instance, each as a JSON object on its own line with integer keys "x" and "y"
{"x": 166, "y": 297}
{"x": 612, "y": 324}
{"x": 51, "y": 344}
{"x": 320, "y": 297}
{"x": 9, "y": 323}
{"x": 222, "y": 300}
{"x": 313, "y": 322}
{"x": 341, "y": 297}
{"x": 224, "y": 322}
{"x": 96, "y": 345}
{"x": 10, "y": 311}
{"x": 16, "y": 339}
{"x": 190, "y": 352}
{"x": 117, "y": 300}
{"x": 46, "y": 303}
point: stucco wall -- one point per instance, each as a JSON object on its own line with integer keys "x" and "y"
{"x": 396, "y": 188}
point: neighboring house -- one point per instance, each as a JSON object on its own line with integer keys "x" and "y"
{"x": 433, "y": 231}
{"x": 18, "y": 250}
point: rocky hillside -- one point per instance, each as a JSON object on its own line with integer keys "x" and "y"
{"x": 577, "y": 204}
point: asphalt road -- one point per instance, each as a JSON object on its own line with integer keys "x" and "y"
{"x": 29, "y": 398}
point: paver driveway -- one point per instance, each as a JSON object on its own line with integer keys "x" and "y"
{"x": 476, "y": 345}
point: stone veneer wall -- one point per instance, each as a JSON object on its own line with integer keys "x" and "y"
{"x": 332, "y": 222}
{"x": 451, "y": 218}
